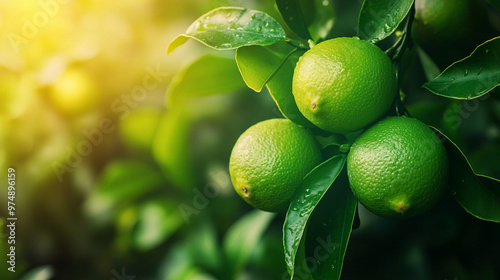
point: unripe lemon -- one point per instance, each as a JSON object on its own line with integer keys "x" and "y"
{"x": 344, "y": 84}
{"x": 449, "y": 30}
{"x": 398, "y": 168}
{"x": 269, "y": 161}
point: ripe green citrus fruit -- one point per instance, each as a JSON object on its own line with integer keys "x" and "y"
{"x": 269, "y": 161}
{"x": 398, "y": 168}
{"x": 344, "y": 84}
{"x": 449, "y": 30}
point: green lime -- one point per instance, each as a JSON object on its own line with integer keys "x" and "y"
{"x": 344, "y": 84}
{"x": 398, "y": 168}
{"x": 449, "y": 30}
{"x": 269, "y": 161}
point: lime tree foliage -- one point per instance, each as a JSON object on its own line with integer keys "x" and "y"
{"x": 266, "y": 51}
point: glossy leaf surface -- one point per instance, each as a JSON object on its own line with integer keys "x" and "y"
{"x": 280, "y": 88}
{"x": 479, "y": 195}
{"x": 232, "y": 27}
{"x": 307, "y": 196}
{"x": 257, "y": 64}
{"x": 379, "y": 18}
{"x": 242, "y": 237}
{"x": 472, "y": 76}
{"x": 208, "y": 75}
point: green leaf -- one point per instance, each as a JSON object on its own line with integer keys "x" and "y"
{"x": 472, "y": 76}
{"x": 39, "y": 273}
{"x": 495, "y": 3}
{"x": 145, "y": 120}
{"x": 257, "y": 64}
{"x": 158, "y": 220}
{"x": 280, "y": 88}
{"x": 208, "y": 75}
{"x": 307, "y": 196}
{"x": 128, "y": 180}
{"x": 179, "y": 265}
{"x": 242, "y": 237}
{"x": 293, "y": 14}
{"x": 323, "y": 20}
{"x": 379, "y": 18}
{"x": 308, "y": 19}
{"x": 479, "y": 195}
{"x": 172, "y": 149}
{"x": 492, "y": 184}
{"x": 230, "y": 28}
{"x": 301, "y": 269}
{"x": 431, "y": 70}
{"x": 203, "y": 243}
{"x": 330, "y": 228}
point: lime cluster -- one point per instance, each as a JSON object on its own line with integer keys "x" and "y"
{"x": 397, "y": 167}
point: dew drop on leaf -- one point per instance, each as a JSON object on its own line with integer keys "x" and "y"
{"x": 387, "y": 28}
{"x": 325, "y": 2}
{"x": 466, "y": 72}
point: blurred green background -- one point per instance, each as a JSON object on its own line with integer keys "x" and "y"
{"x": 111, "y": 183}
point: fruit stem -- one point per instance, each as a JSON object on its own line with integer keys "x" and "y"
{"x": 397, "y": 50}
